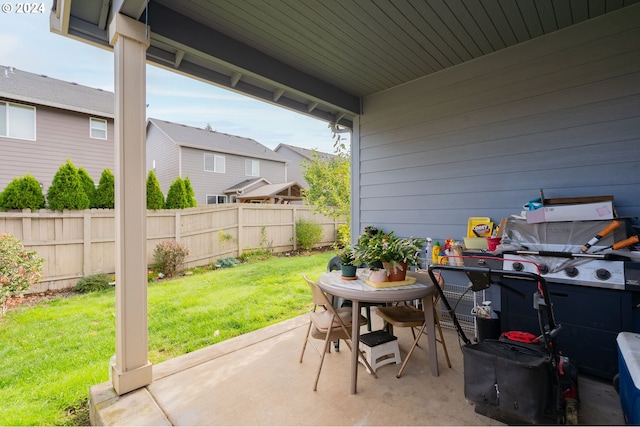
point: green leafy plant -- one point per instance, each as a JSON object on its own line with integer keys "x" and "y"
{"x": 177, "y": 195}
{"x": 227, "y": 262}
{"x": 93, "y": 283}
{"x": 329, "y": 191}
{"x": 376, "y": 245}
{"x": 347, "y": 256}
{"x": 88, "y": 185}
{"x": 169, "y": 256}
{"x": 105, "y": 193}
{"x": 22, "y": 193}
{"x": 308, "y": 233}
{"x": 155, "y": 198}
{"x": 66, "y": 190}
{"x": 19, "y": 267}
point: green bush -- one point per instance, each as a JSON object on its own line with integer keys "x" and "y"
{"x": 66, "y": 191}
{"x": 88, "y": 185}
{"x": 19, "y": 267}
{"x": 227, "y": 262}
{"x": 155, "y": 198}
{"x": 191, "y": 195}
{"x": 93, "y": 283}
{"x": 168, "y": 256}
{"x": 22, "y": 193}
{"x": 106, "y": 192}
{"x": 308, "y": 233}
{"x": 177, "y": 195}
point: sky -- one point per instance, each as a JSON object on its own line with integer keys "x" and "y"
{"x": 27, "y": 44}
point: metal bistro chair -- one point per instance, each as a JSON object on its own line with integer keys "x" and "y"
{"x": 329, "y": 324}
{"x": 408, "y": 316}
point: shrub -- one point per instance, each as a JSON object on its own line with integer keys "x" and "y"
{"x": 177, "y": 195}
{"x": 19, "y": 267}
{"x": 155, "y": 198}
{"x": 227, "y": 262}
{"x": 66, "y": 191}
{"x": 106, "y": 192}
{"x": 88, "y": 185}
{"x": 308, "y": 233}
{"x": 93, "y": 283}
{"x": 191, "y": 195}
{"x": 22, "y": 193}
{"x": 168, "y": 256}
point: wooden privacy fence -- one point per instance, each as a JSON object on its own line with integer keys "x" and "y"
{"x": 79, "y": 243}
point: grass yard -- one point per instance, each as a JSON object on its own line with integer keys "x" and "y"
{"x": 53, "y": 352}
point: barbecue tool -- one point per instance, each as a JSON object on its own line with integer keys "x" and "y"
{"x": 608, "y": 229}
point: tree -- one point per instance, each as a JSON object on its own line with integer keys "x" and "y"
{"x": 329, "y": 191}
{"x": 67, "y": 191}
{"x": 191, "y": 195}
{"x": 105, "y": 196}
{"x": 88, "y": 185}
{"x": 155, "y": 198}
{"x": 177, "y": 195}
{"x": 22, "y": 193}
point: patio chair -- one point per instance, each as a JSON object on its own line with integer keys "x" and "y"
{"x": 329, "y": 324}
{"x": 332, "y": 265}
{"x": 406, "y": 315}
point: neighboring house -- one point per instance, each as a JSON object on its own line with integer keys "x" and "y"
{"x": 296, "y": 156}
{"x": 45, "y": 121}
{"x": 219, "y": 166}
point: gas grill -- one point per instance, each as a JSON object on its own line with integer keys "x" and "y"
{"x": 595, "y": 294}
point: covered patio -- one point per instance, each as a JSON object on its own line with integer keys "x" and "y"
{"x": 456, "y": 109}
{"x": 255, "y": 379}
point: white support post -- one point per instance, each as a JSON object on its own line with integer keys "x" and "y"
{"x": 132, "y": 369}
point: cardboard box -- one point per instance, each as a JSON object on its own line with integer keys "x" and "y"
{"x": 580, "y": 212}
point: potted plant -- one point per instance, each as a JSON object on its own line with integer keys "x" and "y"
{"x": 396, "y": 254}
{"x": 348, "y": 264}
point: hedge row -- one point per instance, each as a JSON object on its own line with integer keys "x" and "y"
{"x": 73, "y": 189}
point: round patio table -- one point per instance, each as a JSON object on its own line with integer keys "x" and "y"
{"x": 359, "y": 291}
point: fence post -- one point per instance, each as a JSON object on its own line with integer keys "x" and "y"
{"x": 86, "y": 243}
{"x": 178, "y": 226}
{"x": 295, "y": 223}
{"x": 240, "y": 228}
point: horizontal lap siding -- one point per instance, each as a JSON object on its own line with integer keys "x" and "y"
{"x": 165, "y": 153}
{"x": 60, "y": 135}
{"x": 561, "y": 113}
{"x": 205, "y": 182}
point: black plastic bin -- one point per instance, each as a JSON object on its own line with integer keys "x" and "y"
{"x": 507, "y": 381}
{"x": 488, "y": 328}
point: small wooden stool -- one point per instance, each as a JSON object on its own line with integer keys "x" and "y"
{"x": 380, "y": 348}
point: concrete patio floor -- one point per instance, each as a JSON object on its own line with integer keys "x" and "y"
{"x": 255, "y": 379}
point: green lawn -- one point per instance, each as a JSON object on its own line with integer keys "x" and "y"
{"x": 52, "y": 353}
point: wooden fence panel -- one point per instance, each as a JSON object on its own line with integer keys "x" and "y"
{"x": 79, "y": 243}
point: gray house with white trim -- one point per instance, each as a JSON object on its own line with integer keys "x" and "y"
{"x": 296, "y": 156}
{"x": 44, "y": 121}
{"x": 213, "y": 161}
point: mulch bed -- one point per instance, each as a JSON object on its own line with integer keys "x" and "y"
{"x": 33, "y": 299}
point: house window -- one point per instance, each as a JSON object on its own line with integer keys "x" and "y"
{"x": 251, "y": 167}
{"x": 214, "y": 199}
{"x": 98, "y": 128}
{"x": 214, "y": 163}
{"x": 17, "y": 121}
